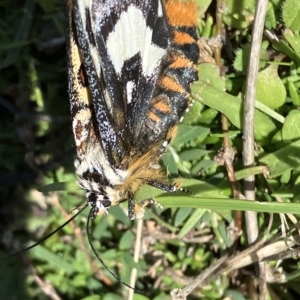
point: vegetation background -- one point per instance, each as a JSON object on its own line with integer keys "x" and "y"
{"x": 192, "y": 232}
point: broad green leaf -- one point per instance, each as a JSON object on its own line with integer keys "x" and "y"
{"x": 170, "y": 164}
{"x": 44, "y": 254}
{"x": 223, "y": 232}
{"x": 111, "y": 296}
{"x": 268, "y": 111}
{"x": 208, "y": 115}
{"x": 286, "y": 158}
{"x": 291, "y": 126}
{"x": 79, "y": 280}
{"x": 231, "y": 107}
{"x": 81, "y": 265}
{"x": 181, "y": 215}
{"x": 94, "y": 297}
{"x": 249, "y": 172}
{"x": 146, "y": 192}
{"x": 193, "y": 154}
{"x": 126, "y": 241}
{"x": 293, "y": 91}
{"x": 293, "y": 39}
{"x": 110, "y": 254}
{"x": 201, "y": 188}
{"x": 234, "y": 295}
{"x": 202, "y": 6}
{"x": 59, "y": 186}
{"x": 269, "y": 87}
{"x": 162, "y": 297}
{"x": 191, "y": 222}
{"x": 291, "y": 14}
{"x": 283, "y": 47}
{"x": 194, "y": 114}
{"x": 182, "y": 200}
{"x": 296, "y": 190}
{"x": 187, "y": 133}
{"x": 139, "y": 297}
{"x": 210, "y": 74}
{"x": 241, "y": 60}
{"x": 239, "y": 14}
{"x": 202, "y": 166}
{"x": 270, "y": 20}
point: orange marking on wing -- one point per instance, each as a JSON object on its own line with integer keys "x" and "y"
{"x": 162, "y": 107}
{"x": 171, "y": 84}
{"x": 182, "y": 38}
{"x": 181, "y": 62}
{"x": 181, "y": 13}
{"x": 153, "y": 117}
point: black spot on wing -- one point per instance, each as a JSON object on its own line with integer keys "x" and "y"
{"x": 132, "y": 68}
{"x": 161, "y": 36}
{"x": 159, "y": 26}
{"x": 150, "y": 13}
{"x": 82, "y": 76}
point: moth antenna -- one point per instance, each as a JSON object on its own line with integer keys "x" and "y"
{"x": 97, "y": 255}
{"x": 47, "y": 236}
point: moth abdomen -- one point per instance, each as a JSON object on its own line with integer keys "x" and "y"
{"x": 182, "y": 17}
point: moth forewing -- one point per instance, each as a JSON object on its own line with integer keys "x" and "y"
{"x": 80, "y": 100}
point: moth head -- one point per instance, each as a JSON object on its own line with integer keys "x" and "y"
{"x": 98, "y": 202}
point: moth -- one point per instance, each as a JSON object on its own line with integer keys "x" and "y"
{"x": 130, "y": 64}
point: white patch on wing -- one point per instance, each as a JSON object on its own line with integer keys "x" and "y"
{"x": 131, "y": 36}
{"x": 82, "y": 120}
{"x": 159, "y": 11}
{"x": 107, "y": 99}
{"x": 96, "y": 162}
{"x": 129, "y": 88}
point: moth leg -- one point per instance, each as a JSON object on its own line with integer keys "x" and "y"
{"x": 131, "y": 204}
{"x": 170, "y": 188}
{"x": 136, "y": 209}
{"x": 151, "y": 201}
{"x": 165, "y": 187}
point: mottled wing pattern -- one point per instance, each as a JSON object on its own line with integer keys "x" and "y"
{"x": 130, "y": 66}
{"x": 122, "y": 44}
{"x": 102, "y": 128}
{"x": 79, "y": 93}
